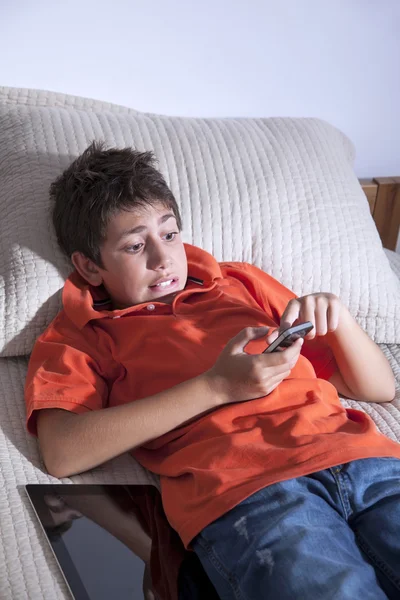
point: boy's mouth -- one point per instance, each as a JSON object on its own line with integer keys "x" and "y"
{"x": 165, "y": 284}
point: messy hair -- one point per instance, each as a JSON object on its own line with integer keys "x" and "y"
{"x": 96, "y": 186}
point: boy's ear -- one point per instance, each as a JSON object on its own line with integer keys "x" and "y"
{"x": 87, "y": 269}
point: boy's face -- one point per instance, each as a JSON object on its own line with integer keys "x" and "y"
{"x": 143, "y": 248}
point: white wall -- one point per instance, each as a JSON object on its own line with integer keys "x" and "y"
{"x": 334, "y": 59}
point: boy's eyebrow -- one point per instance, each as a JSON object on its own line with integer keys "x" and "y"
{"x": 140, "y": 228}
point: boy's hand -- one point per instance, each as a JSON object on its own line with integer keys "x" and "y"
{"x": 238, "y": 376}
{"x": 324, "y": 310}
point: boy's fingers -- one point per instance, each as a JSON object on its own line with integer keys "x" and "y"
{"x": 286, "y": 355}
{"x": 293, "y": 350}
{"x": 271, "y": 337}
{"x": 237, "y": 343}
{"x": 281, "y": 368}
{"x": 290, "y": 314}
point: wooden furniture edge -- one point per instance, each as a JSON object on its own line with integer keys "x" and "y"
{"x": 383, "y": 195}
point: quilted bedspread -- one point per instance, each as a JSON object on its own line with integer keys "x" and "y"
{"x": 27, "y": 566}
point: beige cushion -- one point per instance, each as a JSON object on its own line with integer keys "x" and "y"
{"x": 279, "y": 193}
{"x": 30, "y": 97}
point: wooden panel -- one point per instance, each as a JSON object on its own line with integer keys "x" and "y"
{"x": 386, "y": 212}
{"x": 370, "y": 188}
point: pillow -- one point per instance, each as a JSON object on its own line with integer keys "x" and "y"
{"x": 31, "y": 97}
{"x": 280, "y": 193}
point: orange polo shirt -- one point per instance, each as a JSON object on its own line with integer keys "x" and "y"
{"x": 92, "y": 357}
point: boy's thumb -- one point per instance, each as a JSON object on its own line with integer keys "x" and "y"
{"x": 272, "y": 336}
{"x": 240, "y": 340}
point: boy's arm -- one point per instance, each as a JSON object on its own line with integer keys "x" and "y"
{"x": 72, "y": 443}
{"x": 364, "y": 371}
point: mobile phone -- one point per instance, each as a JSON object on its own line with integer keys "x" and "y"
{"x": 289, "y": 336}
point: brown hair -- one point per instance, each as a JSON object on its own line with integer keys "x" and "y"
{"x": 99, "y": 184}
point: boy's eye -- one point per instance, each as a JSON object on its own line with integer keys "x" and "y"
{"x": 134, "y": 248}
{"x": 169, "y": 237}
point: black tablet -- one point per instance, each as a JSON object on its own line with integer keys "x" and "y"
{"x": 87, "y": 528}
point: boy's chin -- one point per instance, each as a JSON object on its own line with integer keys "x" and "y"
{"x": 167, "y": 298}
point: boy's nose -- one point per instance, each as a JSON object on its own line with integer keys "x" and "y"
{"x": 159, "y": 258}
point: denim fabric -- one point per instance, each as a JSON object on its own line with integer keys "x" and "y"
{"x": 334, "y": 534}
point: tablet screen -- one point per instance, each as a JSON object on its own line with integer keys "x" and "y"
{"x": 86, "y": 526}
{"x": 100, "y": 536}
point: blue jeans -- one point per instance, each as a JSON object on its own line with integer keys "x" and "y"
{"x": 334, "y": 534}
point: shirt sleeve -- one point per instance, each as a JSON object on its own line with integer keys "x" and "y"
{"x": 62, "y": 374}
{"x": 320, "y": 356}
{"x": 274, "y": 297}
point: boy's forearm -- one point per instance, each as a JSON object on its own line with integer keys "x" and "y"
{"x": 81, "y": 442}
{"x": 362, "y": 364}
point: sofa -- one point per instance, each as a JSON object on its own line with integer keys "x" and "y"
{"x": 280, "y": 193}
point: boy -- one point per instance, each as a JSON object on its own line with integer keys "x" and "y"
{"x": 279, "y": 490}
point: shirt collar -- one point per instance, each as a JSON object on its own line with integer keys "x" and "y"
{"x": 83, "y": 302}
